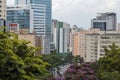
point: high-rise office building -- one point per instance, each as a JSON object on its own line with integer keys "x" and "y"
{"x": 3, "y": 9}
{"x": 48, "y": 20}
{"x": 31, "y": 17}
{"x": 105, "y": 21}
{"x": 61, "y": 36}
{"x": 48, "y": 4}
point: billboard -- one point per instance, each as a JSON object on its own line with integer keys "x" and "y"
{"x": 14, "y": 27}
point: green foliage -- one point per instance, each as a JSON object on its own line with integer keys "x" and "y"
{"x": 18, "y": 60}
{"x": 110, "y": 75}
{"x": 2, "y": 28}
{"x": 68, "y": 58}
{"x": 109, "y": 65}
{"x": 111, "y": 60}
{"x": 54, "y": 59}
{"x": 78, "y": 59}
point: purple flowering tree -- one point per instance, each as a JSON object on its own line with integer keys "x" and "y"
{"x": 84, "y": 71}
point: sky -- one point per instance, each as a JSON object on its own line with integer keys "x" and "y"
{"x": 80, "y": 12}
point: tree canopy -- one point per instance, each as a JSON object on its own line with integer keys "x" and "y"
{"x": 109, "y": 65}
{"x": 18, "y": 60}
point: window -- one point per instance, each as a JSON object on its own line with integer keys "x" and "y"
{"x": 91, "y": 39}
{"x": 91, "y": 59}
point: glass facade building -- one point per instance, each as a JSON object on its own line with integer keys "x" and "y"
{"x": 39, "y": 12}
{"x": 22, "y": 17}
{"x": 105, "y": 21}
{"x": 100, "y": 25}
{"x": 31, "y": 17}
{"x": 48, "y": 4}
{"x": 48, "y": 19}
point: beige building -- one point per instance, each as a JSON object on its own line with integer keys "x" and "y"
{"x": 73, "y": 31}
{"x": 75, "y": 45}
{"x": 90, "y": 44}
{"x": 3, "y": 9}
{"x": 35, "y": 41}
{"x": 118, "y": 28}
{"x": 91, "y": 47}
{"x": 79, "y": 46}
{"x": 28, "y": 37}
{"x": 23, "y": 34}
{"x": 97, "y": 42}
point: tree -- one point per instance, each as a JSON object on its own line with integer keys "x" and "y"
{"x": 109, "y": 65}
{"x": 68, "y": 58}
{"x": 110, "y": 61}
{"x": 11, "y": 66}
{"x": 84, "y": 71}
{"x": 54, "y": 59}
{"x": 115, "y": 75}
{"x": 78, "y": 59}
{"x": 18, "y": 60}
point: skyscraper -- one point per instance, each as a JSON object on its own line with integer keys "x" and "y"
{"x": 48, "y": 4}
{"x": 28, "y": 17}
{"x": 61, "y": 35}
{"x": 48, "y": 20}
{"x": 105, "y": 21}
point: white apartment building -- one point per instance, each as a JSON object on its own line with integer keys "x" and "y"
{"x": 97, "y": 42}
{"x": 90, "y": 44}
{"x": 3, "y": 9}
{"x": 79, "y": 40}
{"x": 91, "y": 47}
{"x": 118, "y": 28}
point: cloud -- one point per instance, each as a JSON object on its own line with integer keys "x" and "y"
{"x": 80, "y": 12}
{"x": 10, "y": 2}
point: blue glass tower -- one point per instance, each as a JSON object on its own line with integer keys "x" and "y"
{"x": 31, "y": 17}
{"x": 48, "y": 18}
{"x": 48, "y": 4}
{"x": 19, "y": 16}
